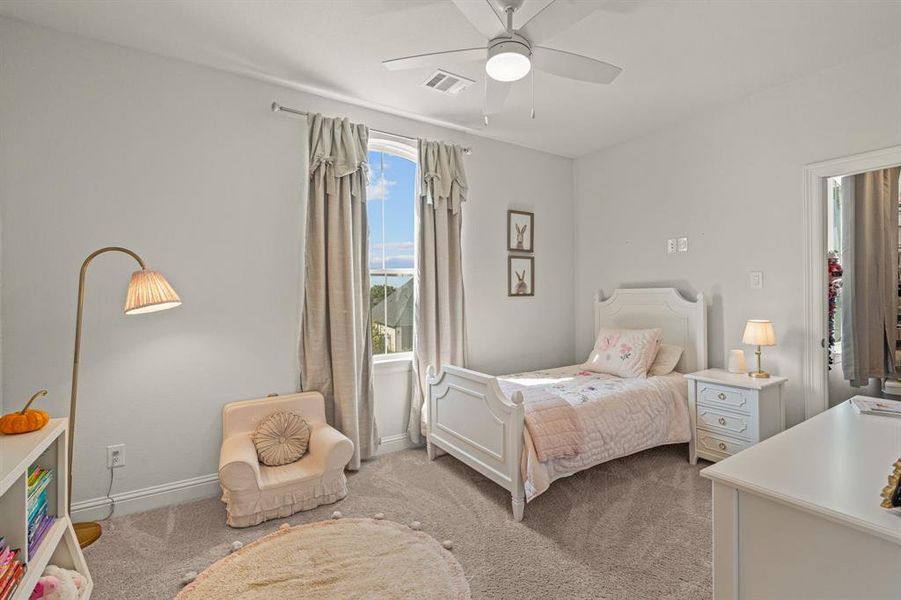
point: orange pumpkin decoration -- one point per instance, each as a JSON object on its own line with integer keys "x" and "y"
{"x": 25, "y": 420}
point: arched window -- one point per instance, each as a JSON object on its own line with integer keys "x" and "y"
{"x": 390, "y": 210}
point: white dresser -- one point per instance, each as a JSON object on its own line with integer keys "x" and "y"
{"x": 732, "y": 411}
{"x": 797, "y": 516}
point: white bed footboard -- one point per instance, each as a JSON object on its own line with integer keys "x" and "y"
{"x": 470, "y": 418}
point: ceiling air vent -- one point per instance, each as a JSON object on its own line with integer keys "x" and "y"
{"x": 447, "y": 83}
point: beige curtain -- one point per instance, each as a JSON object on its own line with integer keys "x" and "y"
{"x": 870, "y": 278}
{"x": 438, "y": 337}
{"x": 335, "y": 343}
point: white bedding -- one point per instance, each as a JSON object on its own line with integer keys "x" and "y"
{"x": 618, "y": 416}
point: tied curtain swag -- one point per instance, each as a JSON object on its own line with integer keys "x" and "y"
{"x": 870, "y": 280}
{"x": 335, "y": 342}
{"x": 438, "y": 337}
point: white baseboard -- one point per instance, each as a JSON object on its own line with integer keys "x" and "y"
{"x": 167, "y": 494}
{"x": 186, "y": 490}
{"x": 393, "y": 443}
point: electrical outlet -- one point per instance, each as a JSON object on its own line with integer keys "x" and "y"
{"x": 756, "y": 280}
{"x": 683, "y": 244}
{"x": 115, "y": 456}
{"x": 671, "y": 246}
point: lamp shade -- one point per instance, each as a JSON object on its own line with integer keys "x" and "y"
{"x": 759, "y": 332}
{"x": 149, "y": 292}
{"x": 508, "y": 61}
{"x": 508, "y": 66}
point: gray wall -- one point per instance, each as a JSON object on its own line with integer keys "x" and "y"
{"x": 104, "y": 145}
{"x": 730, "y": 181}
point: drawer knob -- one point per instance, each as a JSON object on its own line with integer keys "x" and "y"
{"x": 722, "y": 445}
{"x": 722, "y": 420}
{"x": 721, "y": 396}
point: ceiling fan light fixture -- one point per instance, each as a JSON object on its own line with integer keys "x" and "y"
{"x": 509, "y": 60}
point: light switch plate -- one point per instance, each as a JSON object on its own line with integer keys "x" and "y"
{"x": 671, "y": 246}
{"x": 683, "y": 244}
{"x": 756, "y": 280}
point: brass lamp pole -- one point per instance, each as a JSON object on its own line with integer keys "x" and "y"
{"x": 148, "y": 291}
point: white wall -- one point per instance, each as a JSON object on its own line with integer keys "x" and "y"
{"x": 730, "y": 181}
{"x": 104, "y": 145}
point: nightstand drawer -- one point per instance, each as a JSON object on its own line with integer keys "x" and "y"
{"x": 723, "y": 421}
{"x": 719, "y": 445}
{"x": 726, "y": 397}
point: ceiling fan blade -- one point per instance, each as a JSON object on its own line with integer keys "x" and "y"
{"x": 573, "y": 66}
{"x": 434, "y": 60}
{"x": 555, "y": 18}
{"x": 483, "y": 17}
{"x": 495, "y": 96}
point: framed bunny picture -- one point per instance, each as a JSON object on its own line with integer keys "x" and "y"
{"x": 520, "y": 276}
{"x": 520, "y": 231}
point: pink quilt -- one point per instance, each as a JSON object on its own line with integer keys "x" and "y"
{"x": 576, "y": 419}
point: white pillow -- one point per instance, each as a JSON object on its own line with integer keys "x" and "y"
{"x": 666, "y": 360}
{"x": 625, "y": 353}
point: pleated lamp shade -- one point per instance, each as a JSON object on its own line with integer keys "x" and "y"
{"x": 149, "y": 292}
{"x": 759, "y": 332}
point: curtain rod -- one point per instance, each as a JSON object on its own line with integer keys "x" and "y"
{"x": 276, "y": 107}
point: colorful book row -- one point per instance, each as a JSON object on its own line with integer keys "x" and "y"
{"x": 38, "y": 479}
{"x": 35, "y": 538}
{"x": 39, "y": 520}
{"x": 11, "y": 570}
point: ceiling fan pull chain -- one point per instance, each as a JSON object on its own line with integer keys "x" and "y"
{"x": 485, "y": 102}
{"x": 532, "y": 83}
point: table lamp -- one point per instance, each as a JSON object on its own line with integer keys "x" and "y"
{"x": 148, "y": 292}
{"x": 759, "y": 332}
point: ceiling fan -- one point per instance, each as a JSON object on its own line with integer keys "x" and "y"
{"x": 512, "y": 53}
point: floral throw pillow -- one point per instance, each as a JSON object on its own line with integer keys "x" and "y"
{"x": 625, "y": 353}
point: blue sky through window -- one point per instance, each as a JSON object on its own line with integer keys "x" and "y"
{"x": 391, "y": 189}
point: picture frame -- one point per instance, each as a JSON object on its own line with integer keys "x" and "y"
{"x": 520, "y": 276}
{"x": 520, "y": 231}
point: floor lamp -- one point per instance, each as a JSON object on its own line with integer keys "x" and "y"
{"x": 148, "y": 292}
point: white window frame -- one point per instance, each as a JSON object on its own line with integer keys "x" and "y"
{"x": 404, "y": 148}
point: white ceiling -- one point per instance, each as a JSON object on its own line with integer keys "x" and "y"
{"x": 679, "y": 57}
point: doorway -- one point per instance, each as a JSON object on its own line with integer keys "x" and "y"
{"x": 845, "y": 380}
{"x": 819, "y": 233}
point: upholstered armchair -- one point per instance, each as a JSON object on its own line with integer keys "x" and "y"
{"x": 254, "y": 493}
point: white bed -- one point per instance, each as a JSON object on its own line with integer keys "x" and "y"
{"x": 480, "y": 419}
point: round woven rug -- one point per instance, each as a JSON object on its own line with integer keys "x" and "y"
{"x": 343, "y": 558}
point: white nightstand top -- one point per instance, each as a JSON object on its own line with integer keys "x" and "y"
{"x": 740, "y": 380}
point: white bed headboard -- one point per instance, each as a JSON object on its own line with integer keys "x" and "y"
{"x": 684, "y": 322}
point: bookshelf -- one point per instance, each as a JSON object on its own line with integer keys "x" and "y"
{"x": 45, "y": 448}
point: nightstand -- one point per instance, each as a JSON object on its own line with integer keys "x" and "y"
{"x": 732, "y": 411}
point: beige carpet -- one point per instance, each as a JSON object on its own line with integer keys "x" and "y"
{"x": 343, "y": 558}
{"x": 634, "y": 528}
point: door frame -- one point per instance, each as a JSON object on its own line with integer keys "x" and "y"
{"x": 813, "y": 369}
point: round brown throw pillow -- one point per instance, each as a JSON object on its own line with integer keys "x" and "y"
{"x": 281, "y": 439}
